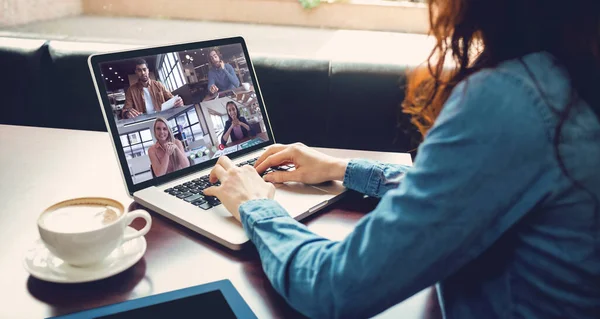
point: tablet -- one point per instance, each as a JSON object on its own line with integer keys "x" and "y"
{"x": 213, "y": 300}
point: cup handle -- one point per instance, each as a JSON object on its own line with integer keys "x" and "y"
{"x": 139, "y": 213}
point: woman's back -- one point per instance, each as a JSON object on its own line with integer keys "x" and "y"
{"x": 545, "y": 263}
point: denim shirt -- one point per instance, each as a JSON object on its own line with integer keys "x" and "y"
{"x": 485, "y": 212}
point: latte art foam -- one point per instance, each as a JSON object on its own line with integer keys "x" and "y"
{"x": 79, "y": 218}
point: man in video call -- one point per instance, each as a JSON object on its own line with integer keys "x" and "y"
{"x": 221, "y": 75}
{"x": 147, "y": 95}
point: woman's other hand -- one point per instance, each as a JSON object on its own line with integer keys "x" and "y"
{"x": 311, "y": 166}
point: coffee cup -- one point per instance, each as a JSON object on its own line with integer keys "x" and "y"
{"x": 84, "y": 231}
{"x": 246, "y": 86}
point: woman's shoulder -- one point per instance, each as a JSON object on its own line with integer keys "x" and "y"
{"x": 540, "y": 73}
{"x": 535, "y": 83}
{"x": 526, "y": 79}
{"x": 534, "y": 69}
{"x": 152, "y": 149}
{"x": 496, "y": 95}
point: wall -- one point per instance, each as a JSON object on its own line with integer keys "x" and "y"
{"x": 350, "y": 14}
{"x": 15, "y": 12}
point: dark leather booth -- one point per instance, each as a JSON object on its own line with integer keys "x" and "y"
{"x": 326, "y": 103}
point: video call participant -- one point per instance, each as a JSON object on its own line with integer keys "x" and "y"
{"x": 147, "y": 95}
{"x": 167, "y": 154}
{"x": 237, "y": 127}
{"x": 221, "y": 75}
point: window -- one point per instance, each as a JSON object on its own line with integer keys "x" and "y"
{"x": 124, "y": 140}
{"x": 170, "y": 83}
{"x": 162, "y": 74}
{"x": 188, "y": 122}
{"x": 137, "y": 143}
{"x": 217, "y": 122}
{"x": 170, "y": 71}
{"x": 146, "y": 136}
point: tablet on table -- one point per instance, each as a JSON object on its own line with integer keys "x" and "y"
{"x": 218, "y": 299}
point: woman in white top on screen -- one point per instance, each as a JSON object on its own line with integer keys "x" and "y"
{"x": 167, "y": 154}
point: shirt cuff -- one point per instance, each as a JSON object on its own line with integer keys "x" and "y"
{"x": 359, "y": 176}
{"x": 257, "y": 210}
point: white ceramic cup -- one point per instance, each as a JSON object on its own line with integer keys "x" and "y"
{"x": 87, "y": 247}
{"x": 246, "y": 86}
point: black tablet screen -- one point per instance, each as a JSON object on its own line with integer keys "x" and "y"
{"x": 207, "y": 305}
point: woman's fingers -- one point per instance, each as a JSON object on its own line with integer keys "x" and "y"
{"x": 282, "y": 177}
{"x": 212, "y": 191}
{"x": 220, "y": 170}
{"x": 217, "y": 173}
{"x": 268, "y": 152}
{"x": 284, "y": 156}
{"x": 225, "y": 162}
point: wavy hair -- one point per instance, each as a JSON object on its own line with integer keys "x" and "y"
{"x": 472, "y": 35}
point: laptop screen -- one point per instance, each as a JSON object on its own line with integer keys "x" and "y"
{"x": 180, "y": 109}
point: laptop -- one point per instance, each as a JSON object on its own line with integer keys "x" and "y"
{"x": 172, "y": 185}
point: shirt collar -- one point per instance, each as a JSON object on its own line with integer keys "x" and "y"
{"x": 139, "y": 84}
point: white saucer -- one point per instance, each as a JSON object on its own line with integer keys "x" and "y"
{"x": 41, "y": 264}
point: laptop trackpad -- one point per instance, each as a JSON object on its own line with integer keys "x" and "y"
{"x": 298, "y": 198}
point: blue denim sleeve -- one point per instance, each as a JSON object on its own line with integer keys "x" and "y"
{"x": 482, "y": 167}
{"x": 373, "y": 178}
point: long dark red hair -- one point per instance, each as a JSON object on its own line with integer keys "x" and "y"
{"x": 475, "y": 34}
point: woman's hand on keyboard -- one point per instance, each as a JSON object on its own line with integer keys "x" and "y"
{"x": 311, "y": 166}
{"x": 238, "y": 185}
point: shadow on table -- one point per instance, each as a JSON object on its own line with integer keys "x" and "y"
{"x": 348, "y": 210}
{"x": 165, "y": 230}
{"x": 68, "y": 298}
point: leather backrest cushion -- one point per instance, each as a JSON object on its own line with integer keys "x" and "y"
{"x": 364, "y": 110}
{"x": 72, "y": 99}
{"x": 295, "y": 92}
{"x": 315, "y": 101}
{"x": 21, "y": 65}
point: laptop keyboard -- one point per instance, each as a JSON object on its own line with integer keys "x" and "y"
{"x": 191, "y": 191}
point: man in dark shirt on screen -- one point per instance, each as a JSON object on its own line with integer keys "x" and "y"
{"x": 221, "y": 75}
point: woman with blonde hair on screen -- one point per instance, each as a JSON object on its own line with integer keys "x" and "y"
{"x": 167, "y": 154}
